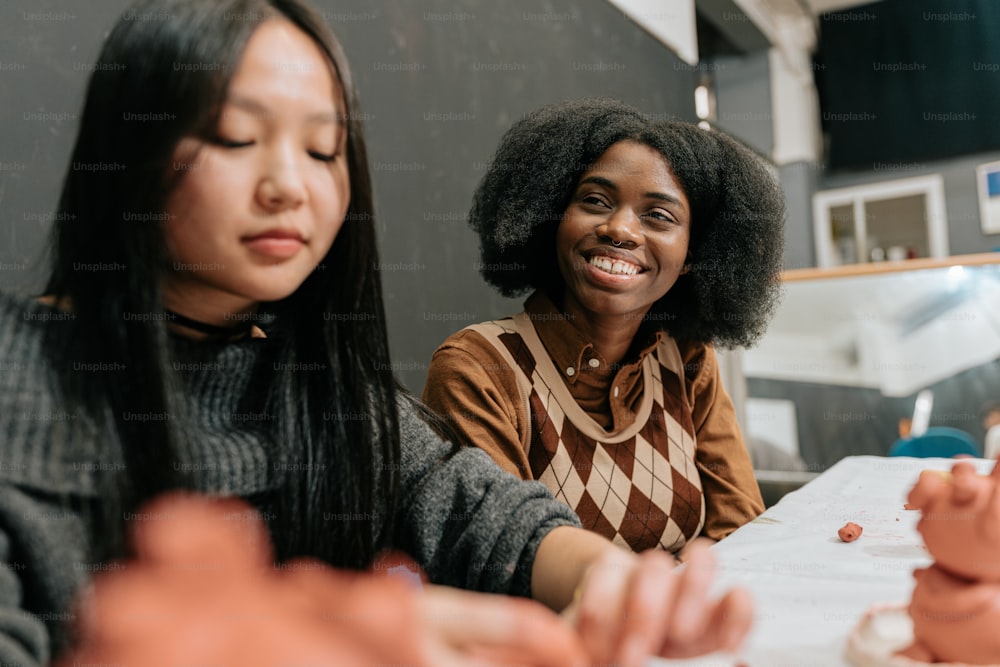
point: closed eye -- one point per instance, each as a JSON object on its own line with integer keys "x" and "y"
{"x": 229, "y": 143}
{"x": 324, "y": 157}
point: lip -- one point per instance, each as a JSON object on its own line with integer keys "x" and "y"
{"x": 275, "y": 243}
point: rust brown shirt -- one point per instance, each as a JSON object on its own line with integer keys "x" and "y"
{"x": 470, "y": 384}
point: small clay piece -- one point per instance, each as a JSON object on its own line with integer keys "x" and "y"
{"x": 850, "y": 532}
{"x": 908, "y": 506}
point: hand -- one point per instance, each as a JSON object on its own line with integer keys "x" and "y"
{"x": 633, "y": 606}
{"x": 495, "y": 630}
{"x": 203, "y": 590}
{"x": 960, "y": 519}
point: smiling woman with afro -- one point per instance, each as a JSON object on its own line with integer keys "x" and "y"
{"x": 643, "y": 243}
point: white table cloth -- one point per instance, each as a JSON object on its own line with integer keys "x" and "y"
{"x": 809, "y": 587}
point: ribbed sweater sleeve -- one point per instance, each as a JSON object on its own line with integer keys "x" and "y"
{"x": 44, "y": 562}
{"x": 467, "y": 521}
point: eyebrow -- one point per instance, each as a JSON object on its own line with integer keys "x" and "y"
{"x": 600, "y": 180}
{"x": 256, "y": 107}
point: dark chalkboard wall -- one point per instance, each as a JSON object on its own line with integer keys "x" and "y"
{"x": 440, "y": 81}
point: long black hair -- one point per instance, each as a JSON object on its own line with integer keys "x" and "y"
{"x": 737, "y": 214}
{"x": 163, "y": 75}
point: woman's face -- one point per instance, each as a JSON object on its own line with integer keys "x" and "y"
{"x": 623, "y": 240}
{"x": 258, "y": 208}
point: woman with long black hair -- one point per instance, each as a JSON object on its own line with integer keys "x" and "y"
{"x": 213, "y": 323}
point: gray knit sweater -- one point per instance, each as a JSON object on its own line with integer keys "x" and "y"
{"x": 467, "y": 522}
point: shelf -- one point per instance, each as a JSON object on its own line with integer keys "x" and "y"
{"x": 890, "y": 267}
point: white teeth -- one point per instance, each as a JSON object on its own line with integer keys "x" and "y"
{"x": 616, "y": 267}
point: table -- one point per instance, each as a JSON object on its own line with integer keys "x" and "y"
{"x": 809, "y": 587}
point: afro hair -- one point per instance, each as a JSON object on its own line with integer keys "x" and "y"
{"x": 737, "y": 214}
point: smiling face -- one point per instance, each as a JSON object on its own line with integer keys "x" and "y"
{"x": 259, "y": 206}
{"x": 623, "y": 240}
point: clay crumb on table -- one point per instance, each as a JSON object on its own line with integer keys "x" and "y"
{"x": 850, "y": 532}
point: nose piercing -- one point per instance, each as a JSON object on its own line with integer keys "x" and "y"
{"x": 617, "y": 244}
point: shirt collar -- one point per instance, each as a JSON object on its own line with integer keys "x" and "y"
{"x": 568, "y": 347}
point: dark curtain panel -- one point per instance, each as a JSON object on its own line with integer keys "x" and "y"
{"x": 909, "y": 80}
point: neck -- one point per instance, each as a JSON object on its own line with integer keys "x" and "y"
{"x": 197, "y": 329}
{"x": 200, "y": 316}
{"x": 611, "y": 335}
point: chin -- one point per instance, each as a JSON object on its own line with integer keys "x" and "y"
{"x": 273, "y": 291}
{"x": 274, "y": 285}
{"x": 613, "y": 304}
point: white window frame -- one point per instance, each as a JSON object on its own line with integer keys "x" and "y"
{"x": 931, "y": 186}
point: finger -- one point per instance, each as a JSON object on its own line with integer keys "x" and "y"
{"x": 601, "y": 604}
{"x": 520, "y": 631}
{"x": 930, "y": 485}
{"x": 965, "y": 488}
{"x": 516, "y": 632}
{"x": 736, "y": 619}
{"x": 191, "y": 532}
{"x": 376, "y": 611}
{"x": 690, "y": 612}
{"x": 649, "y": 597}
{"x": 125, "y": 608}
{"x": 449, "y": 656}
{"x": 730, "y": 619}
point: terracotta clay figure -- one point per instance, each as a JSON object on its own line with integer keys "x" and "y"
{"x": 956, "y": 601}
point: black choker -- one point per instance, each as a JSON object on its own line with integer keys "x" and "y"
{"x": 211, "y": 330}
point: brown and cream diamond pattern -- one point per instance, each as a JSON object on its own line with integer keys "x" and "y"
{"x": 637, "y": 492}
{"x": 642, "y": 491}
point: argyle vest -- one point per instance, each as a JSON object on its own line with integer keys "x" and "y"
{"x": 638, "y": 487}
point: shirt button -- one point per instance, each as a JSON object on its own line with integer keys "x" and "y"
{"x": 571, "y": 371}
{"x": 594, "y": 363}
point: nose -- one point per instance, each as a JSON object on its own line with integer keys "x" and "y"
{"x": 621, "y": 229}
{"x": 281, "y": 184}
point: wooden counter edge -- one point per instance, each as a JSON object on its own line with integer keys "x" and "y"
{"x": 848, "y": 270}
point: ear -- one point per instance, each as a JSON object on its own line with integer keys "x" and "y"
{"x": 686, "y": 266}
